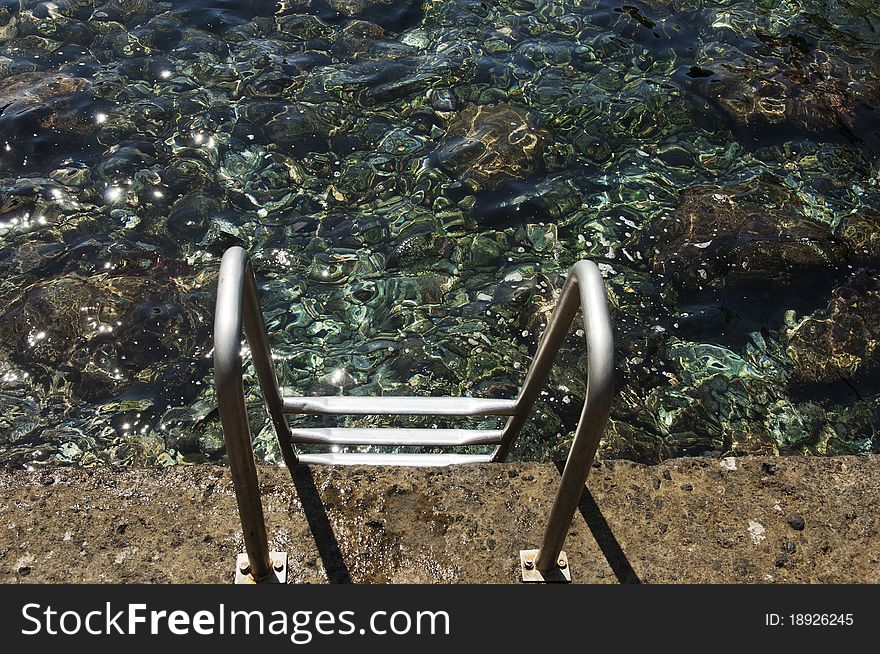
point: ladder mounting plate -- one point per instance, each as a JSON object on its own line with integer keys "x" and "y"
{"x": 530, "y": 574}
{"x": 279, "y": 569}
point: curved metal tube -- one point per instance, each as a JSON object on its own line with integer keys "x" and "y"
{"x": 585, "y": 288}
{"x": 237, "y": 307}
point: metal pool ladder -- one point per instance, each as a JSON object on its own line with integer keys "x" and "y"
{"x": 238, "y": 307}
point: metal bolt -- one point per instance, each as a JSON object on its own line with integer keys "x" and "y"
{"x": 529, "y": 564}
{"x": 562, "y": 563}
{"x": 278, "y": 564}
{"x": 244, "y": 567}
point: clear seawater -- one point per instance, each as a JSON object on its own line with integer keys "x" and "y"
{"x": 413, "y": 181}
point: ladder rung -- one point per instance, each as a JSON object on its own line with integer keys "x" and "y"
{"x": 383, "y": 436}
{"x": 399, "y": 406}
{"x": 370, "y": 459}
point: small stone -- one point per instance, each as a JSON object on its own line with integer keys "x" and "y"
{"x": 442, "y": 99}
{"x": 757, "y": 532}
{"x": 663, "y": 527}
{"x": 796, "y": 522}
{"x": 24, "y": 570}
{"x": 656, "y": 483}
{"x": 528, "y": 478}
{"x": 781, "y": 559}
{"x": 769, "y": 468}
{"x": 667, "y": 475}
{"x": 687, "y": 487}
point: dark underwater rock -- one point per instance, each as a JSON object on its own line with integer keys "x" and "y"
{"x": 396, "y": 15}
{"x": 843, "y": 340}
{"x": 719, "y": 235}
{"x": 809, "y": 90}
{"x": 97, "y": 327}
{"x": 861, "y": 231}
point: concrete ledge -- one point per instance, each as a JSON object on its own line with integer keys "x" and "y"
{"x": 750, "y": 519}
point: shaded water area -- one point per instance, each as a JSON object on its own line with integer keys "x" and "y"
{"x": 413, "y": 182}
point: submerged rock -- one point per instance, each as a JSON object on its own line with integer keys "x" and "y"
{"x": 31, "y": 89}
{"x": 395, "y": 15}
{"x": 98, "y": 327}
{"x": 843, "y": 340}
{"x": 861, "y": 231}
{"x": 719, "y": 235}
{"x": 485, "y": 144}
{"x": 810, "y": 90}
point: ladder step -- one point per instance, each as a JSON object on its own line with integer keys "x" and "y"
{"x": 382, "y": 436}
{"x": 370, "y": 459}
{"x": 399, "y": 406}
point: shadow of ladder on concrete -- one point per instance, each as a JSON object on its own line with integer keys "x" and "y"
{"x": 605, "y": 538}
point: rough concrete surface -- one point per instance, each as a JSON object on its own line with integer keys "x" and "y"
{"x": 695, "y": 520}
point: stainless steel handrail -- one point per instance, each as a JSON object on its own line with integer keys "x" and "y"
{"x": 585, "y": 288}
{"x": 238, "y": 307}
